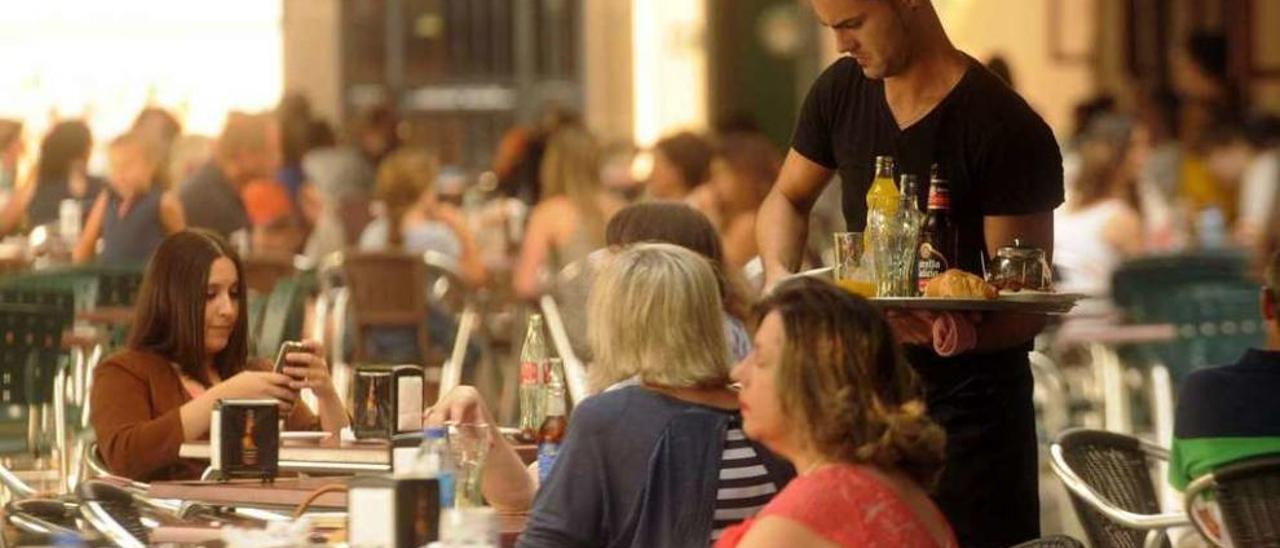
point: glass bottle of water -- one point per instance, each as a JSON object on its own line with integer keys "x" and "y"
{"x": 435, "y": 461}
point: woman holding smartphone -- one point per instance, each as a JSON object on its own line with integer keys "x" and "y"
{"x": 188, "y": 348}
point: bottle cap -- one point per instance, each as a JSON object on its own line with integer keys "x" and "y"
{"x": 435, "y": 432}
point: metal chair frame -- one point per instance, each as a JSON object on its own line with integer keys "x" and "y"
{"x": 1211, "y": 483}
{"x": 1156, "y": 525}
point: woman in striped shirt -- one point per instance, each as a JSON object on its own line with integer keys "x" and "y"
{"x": 827, "y": 388}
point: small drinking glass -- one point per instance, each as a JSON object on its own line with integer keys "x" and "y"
{"x": 851, "y": 271}
{"x": 469, "y": 446}
{"x": 469, "y": 528}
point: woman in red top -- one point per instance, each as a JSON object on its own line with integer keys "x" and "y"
{"x": 828, "y": 389}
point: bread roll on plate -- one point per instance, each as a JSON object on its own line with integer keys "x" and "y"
{"x": 958, "y": 284}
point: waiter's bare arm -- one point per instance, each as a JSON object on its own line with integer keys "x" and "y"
{"x": 1036, "y": 230}
{"x": 782, "y": 223}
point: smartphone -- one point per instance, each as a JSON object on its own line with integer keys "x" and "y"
{"x": 286, "y": 348}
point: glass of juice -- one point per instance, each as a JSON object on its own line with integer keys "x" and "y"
{"x": 851, "y": 270}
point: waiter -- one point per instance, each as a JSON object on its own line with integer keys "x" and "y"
{"x": 903, "y": 90}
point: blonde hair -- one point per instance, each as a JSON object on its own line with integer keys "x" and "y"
{"x": 244, "y": 133}
{"x": 571, "y": 168}
{"x": 844, "y": 382}
{"x": 150, "y": 150}
{"x": 655, "y": 312}
{"x": 402, "y": 178}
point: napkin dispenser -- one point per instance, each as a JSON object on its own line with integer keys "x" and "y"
{"x": 244, "y": 439}
{"x": 388, "y": 401}
{"x": 392, "y": 511}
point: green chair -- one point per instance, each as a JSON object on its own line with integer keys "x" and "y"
{"x": 1206, "y": 296}
{"x": 283, "y": 316}
{"x": 30, "y": 352}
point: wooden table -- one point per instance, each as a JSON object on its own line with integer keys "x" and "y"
{"x": 288, "y": 493}
{"x": 332, "y": 456}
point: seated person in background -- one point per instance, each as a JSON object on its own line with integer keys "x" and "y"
{"x": 676, "y": 223}
{"x": 568, "y": 222}
{"x": 134, "y": 214}
{"x": 415, "y": 220}
{"x": 61, "y": 174}
{"x": 277, "y": 231}
{"x": 187, "y": 349}
{"x": 1230, "y": 413}
{"x": 247, "y": 149}
{"x": 335, "y": 198}
{"x": 681, "y": 163}
{"x": 743, "y": 171}
{"x": 1099, "y": 226}
{"x": 663, "y": 463}
{"x": 829, "y": 389}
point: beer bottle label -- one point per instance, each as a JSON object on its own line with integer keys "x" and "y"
{"x": 932, "y": 263}
{"x": 529, "y": 372}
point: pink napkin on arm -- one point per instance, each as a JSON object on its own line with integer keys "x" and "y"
{"x": 953, "y": 334}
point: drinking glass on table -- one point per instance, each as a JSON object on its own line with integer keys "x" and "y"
{"x": 469, "y": 445}
{"x": 851, "y": 270}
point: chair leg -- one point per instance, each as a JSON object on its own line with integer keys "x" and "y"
{"x": 1115, "y": 404}
{"x": 451, "y": 377}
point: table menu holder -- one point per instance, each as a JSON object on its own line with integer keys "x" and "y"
{"x": 244, "y": 439}
{"x": 391, "y": 511}
{"x": 388, "y": 400}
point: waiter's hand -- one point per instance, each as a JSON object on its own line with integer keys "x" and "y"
{"x": 916, "y": 326}
{"x": 912, "y": 326}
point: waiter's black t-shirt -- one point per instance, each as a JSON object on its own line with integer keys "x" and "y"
{"x": 999, "y": 155}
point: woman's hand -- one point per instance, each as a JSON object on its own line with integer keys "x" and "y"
{"x": 257, "y": 384}
{"x": 462, "y": 404}
{"x": 309, "y": 370}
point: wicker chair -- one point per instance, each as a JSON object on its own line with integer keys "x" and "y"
{"x": 111, "y": 511}
{"x": 1109, "y": 479}
{"x": 43, "y": 517}
{"x": 1248, "y": 496}
{"x": 1052, "y": 541}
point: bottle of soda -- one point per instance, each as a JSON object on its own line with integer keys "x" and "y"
{"x": 553, "y": 427}
{"x": 533, "y": 360}
{"x": 435, "y": 461}
{"x": 938, "y": 250}
{"x": 901, "y": 242}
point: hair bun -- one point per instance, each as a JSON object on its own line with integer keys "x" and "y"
{"x": 917, "y": 443}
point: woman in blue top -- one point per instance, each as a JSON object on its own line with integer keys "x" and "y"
{"x": 660, "y": 463}
{"x": 133, "y": 215}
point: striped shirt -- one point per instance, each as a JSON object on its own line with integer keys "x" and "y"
{"x": 744, "y": 486}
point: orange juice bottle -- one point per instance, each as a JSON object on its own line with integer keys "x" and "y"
{"x": 882, "y": 204}
{"x": 883, "y": 195}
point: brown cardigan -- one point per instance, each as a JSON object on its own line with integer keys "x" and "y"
{"x": 134, "y": 411}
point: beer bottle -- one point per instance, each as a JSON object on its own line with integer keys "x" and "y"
{"x": 533, "y": 359}
{"x": 551, "y": 434}
{"x": 248, "y": 445}
{"x": 938, "y": 249}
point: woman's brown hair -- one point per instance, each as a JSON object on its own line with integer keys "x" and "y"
{"x": 169, "y": 316}
{"x": 679, "y": 224}
{"x": 843, "y": 378}
{"x": 690, "y": 153}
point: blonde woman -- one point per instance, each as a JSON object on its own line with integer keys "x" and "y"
{"x": 415, "y": 220}
{"x": 641, "y": 465}
{"x": 827, "y": 388}
{"x": 662, "y": 463}
{"x": 568, "y": 223}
